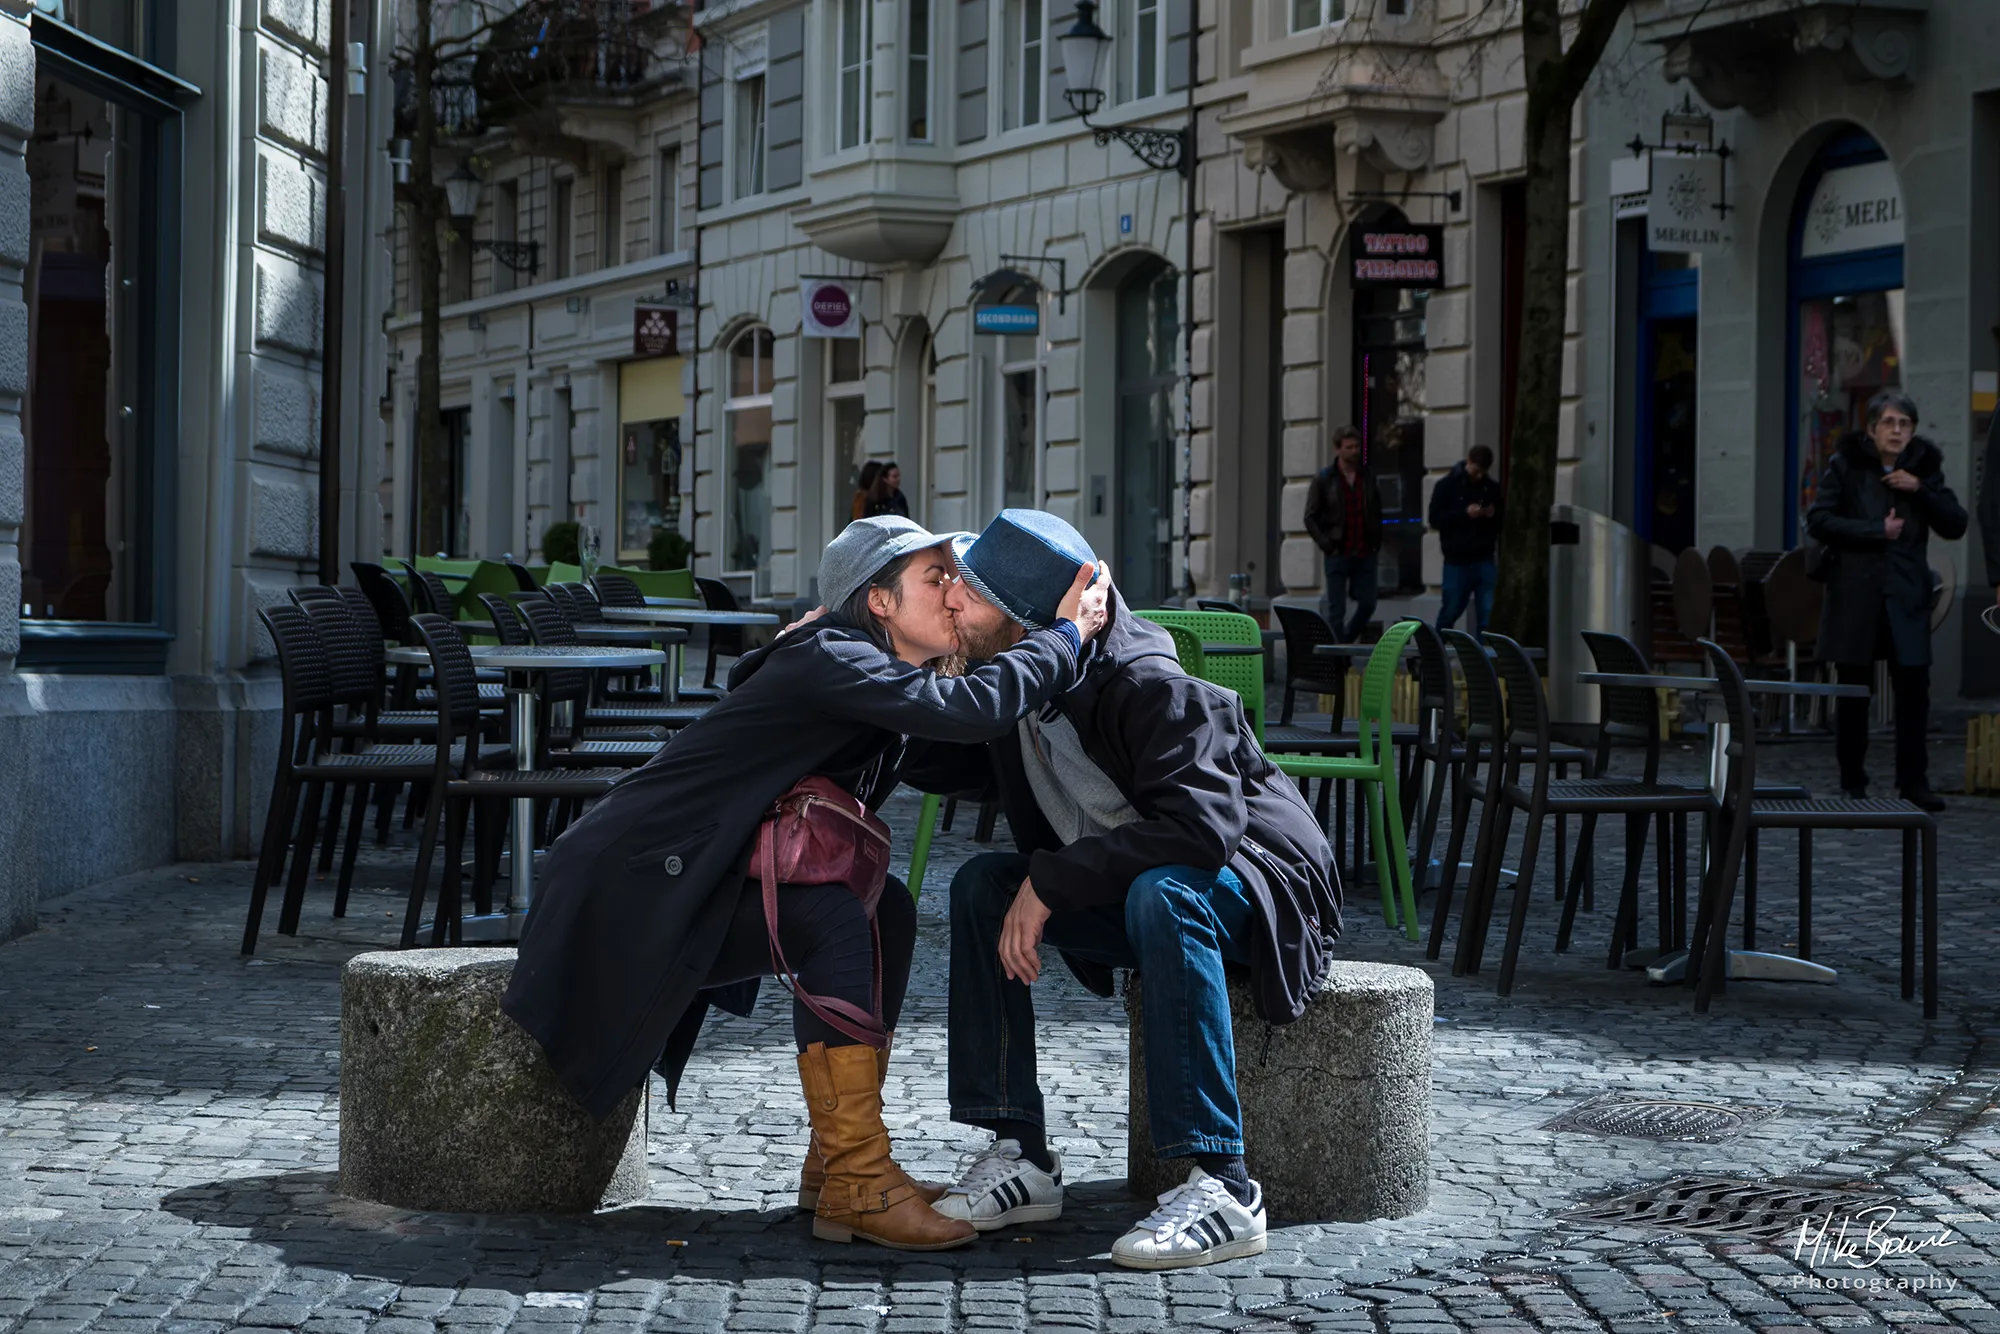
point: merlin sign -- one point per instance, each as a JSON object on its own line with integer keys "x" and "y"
{"x": 1685, "y": 211}
{"x": 1407, "y": 256}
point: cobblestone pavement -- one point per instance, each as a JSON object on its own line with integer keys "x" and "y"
{"x": 168, "y": 1126}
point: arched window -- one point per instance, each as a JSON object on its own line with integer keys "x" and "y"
{"x": 746, "y": 425}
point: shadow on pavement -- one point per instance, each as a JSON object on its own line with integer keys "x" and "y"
{"x": 312, "y": 1225}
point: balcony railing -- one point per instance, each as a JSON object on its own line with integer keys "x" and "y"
{"x": 453, "y": 97}
{"x": 564, "y": 47}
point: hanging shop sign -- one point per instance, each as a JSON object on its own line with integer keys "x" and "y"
{"x": 1685, "y": 207}
{"x": 1407, "y": 256}
{"x": 829, "y": 308}
{"x": 1007, "y": 301}
{"x": 655, "y": 330}
{"x": 1854, "y": 208}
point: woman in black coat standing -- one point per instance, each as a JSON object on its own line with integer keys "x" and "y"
{"x": 645, "y": 915}
{"x": 1880, "y": 498}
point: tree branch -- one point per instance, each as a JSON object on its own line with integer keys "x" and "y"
{"x": 1593, "y": 34}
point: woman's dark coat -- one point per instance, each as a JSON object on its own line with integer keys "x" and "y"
{"x": 1185, "y": 756}
{"x": 1874, "y": 579}
{"x": 632, "y": 904}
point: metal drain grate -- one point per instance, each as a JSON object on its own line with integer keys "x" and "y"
{"x": 1724, "y": 1207}
{"x": 1635, "y": 1117}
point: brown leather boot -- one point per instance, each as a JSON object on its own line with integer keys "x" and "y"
{"x": 864, "y": 1193}
{"x": 812, "y": 1173}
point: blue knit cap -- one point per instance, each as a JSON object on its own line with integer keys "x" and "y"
{"x": 1024, "y": 564}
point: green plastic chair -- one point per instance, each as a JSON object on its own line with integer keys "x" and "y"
{"x": 660, "y": 583}
{"x": 1187, "y": 646}
{"x": 1244, "y": 674}
{"x": 560, "y": 573}
{"x": 488, "y": 576}
{"x": 1374, "y": 766}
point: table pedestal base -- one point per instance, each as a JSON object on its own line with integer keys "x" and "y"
{"x": 1741, "y": 965}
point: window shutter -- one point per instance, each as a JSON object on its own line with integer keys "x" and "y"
{"x": 1180, "y": 45}
{"x": 972, "y": 20}
{"x": 709, "y": 177}
{"x": 784, "y": 85}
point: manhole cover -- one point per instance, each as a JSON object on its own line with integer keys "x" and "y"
{"x": 1635, "y": 1117}
{"x": 1725, "y": 1207}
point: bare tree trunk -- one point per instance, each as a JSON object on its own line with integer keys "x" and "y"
{"x": 1555, "y": 79}
{"x": 432, "y": 464}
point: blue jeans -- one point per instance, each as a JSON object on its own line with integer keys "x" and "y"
{"x": 1350, "y": 576}
{"x": 1471, "y": 583}
{"x": 1176, "y": 926}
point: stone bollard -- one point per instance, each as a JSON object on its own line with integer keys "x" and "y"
{"x": 447, "y": 1105}
{"x": 1337, "y": 1106}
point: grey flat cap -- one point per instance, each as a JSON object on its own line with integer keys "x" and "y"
{"x": 864, "y": 547}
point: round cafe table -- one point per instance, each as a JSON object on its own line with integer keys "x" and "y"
{"x": 521, "y": 663}
{"x": 652, "y": 615}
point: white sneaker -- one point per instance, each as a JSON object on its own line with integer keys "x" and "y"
{"x": 1198, "y": 1223}
{"x": 1001, "y": 1187}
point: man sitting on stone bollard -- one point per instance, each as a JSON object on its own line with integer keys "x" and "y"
{"x": 1153, "y": 834}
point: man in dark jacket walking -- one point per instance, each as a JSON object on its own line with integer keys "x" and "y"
{"x": 1465, "y": 510}
{"x": 1152, "y": 833}
{"x": 1344, "y": 519}
{"x": 1879, "y": 500}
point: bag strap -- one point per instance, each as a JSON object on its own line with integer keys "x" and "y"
{"x": 864, "y": 1026}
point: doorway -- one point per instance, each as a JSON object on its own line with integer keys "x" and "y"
{"x": 1668, "y": 395}
{"x": 1389, "y": 406}
{"x": 1148, "y": 374}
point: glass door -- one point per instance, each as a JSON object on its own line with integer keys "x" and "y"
{"x": 1148, "y": 322}
{"x": 1389, "y": 410}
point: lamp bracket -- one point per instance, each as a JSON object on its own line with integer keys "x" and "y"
{"x": 520, "y": 256}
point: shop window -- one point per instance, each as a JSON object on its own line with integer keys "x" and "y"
{"x": 746, "y": 414}
{"x": 1148, "y": 378}
{"x": 1389, "y": 408}
{"x": 103, "y": 327}
{"x": 1847, "y": 319}
{"x": 650, "y": 477}
{"x": 846, "y": 414}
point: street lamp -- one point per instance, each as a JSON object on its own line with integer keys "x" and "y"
{"x": 1083, "y": 48}
{"x": 461, "y": 195}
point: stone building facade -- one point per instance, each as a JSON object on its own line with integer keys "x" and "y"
{"x": 162, "y": 239}
{"x": 565, "y": 384}
{"x": 1857, "y": 254}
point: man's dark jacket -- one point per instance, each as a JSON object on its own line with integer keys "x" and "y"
{"x": 1185, "y": 757}
{"x": 1873, "y": 578}
{"x": 1989, "y": 502}
{"x": 1465, "y": 541}
{"x": 1326, "y": 511}
{"x": 635, "y": 898}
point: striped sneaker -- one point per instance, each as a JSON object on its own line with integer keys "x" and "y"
{"x": 1001, "y": 1187}
{"x": 1198, "y": 1223}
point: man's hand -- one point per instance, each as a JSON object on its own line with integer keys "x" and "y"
{"x": 1021, "y": 933}
{"x": 1892, "y": 527}
{"x": 1087, "y": 604}
{"x": 1475, "y": 511}
{"x": 1901, "y": 481}
{"x": 812, "y": 615}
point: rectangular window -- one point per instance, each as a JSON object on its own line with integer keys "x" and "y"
{"x": 746, "y": 416}
{"x": 917, "y": 72}
{"x": 103, "y": 316}
{"x": 750, "y": 136}
{"x": 1310, "y": 14}
{"x": 506, "y": 227}
{"x": 1025, "y": 35}
{"x": 611, "y": 217}
{"x": 562, "y": 205}
{"x": 667, "y": 202}
{"x": 1139, "y": 45}
{"x": 857, "y": 84}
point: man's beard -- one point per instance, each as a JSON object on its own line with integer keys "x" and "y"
{"x": 977, "y": 646}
